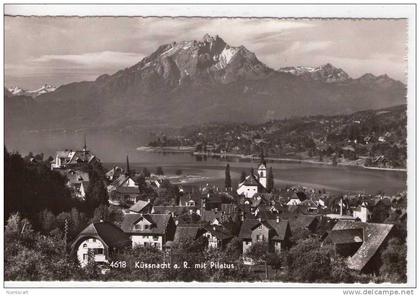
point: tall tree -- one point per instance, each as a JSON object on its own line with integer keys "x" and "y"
{"x": 243, "y": 177}
{"x": 159, "y": 171}
{"x": 228, "y": 180}
{"x": 96, "y": 193}
{"x": 270, "y": 180}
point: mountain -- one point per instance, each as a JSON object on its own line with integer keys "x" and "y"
{"x": 188, "y": 82}
{"x": 325, "y": 73}
{"x": 17, "y": 91}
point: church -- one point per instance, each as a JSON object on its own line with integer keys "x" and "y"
{"x": 254, "y": 183}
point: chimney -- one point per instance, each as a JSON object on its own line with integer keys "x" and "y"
{"x": 277, "y": 219}
{"x": 242, "y": 217}
{"x": 341, "y": 206}
{"x": 259, "y": 219}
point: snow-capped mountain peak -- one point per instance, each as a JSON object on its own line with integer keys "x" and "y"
{"x": 17, "y": 91}
{"x": 325, "y": 73}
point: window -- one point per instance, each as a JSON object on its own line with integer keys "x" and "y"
{"x": 85, "y": 245}
{"x": 94, "y": 240}
{"x": 98, "y": 251}
{"x": 260, "y": 237}
{"x": 155, "y": 237}
{"x": 137, "y": 227}
{"x": 260, "y": 227}
{"x": 85, "y": 257}
{"x": 146, "y": 226}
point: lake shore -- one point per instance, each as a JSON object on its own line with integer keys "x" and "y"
{"x": 190, "y": 150}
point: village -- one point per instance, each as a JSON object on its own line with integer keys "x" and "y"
{"x": 262, "y": 221}
{"x": 373, "y": 138}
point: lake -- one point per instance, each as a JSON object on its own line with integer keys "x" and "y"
{"x": 113, "y": 148}
{"x": 337, "y": 179}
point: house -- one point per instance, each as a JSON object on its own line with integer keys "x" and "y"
{"x": 254, "y": 183}
{"x": 114, "y": 173}
{"x": 174, "y": 210}
{"x": 152, "y": 230}
{"x": 361, "y": 243}
{"x": 78, "y": 182}
{"x": 141, "y": 207}
{"x": 309, "y": 222}
{"x": 362, "y": 212}
{"x": 275, "y": 232}
{"x": 97, "y": 241}
{"x": 123, "y": 190}
{"x": 188, "y": 233}
{"x": 217, "y": 236}
{"x": 72, "y": 159}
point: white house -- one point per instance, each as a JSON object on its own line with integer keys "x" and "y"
{"x": 97, "y": 241}
{"x": 149, "y": 230}
{"x": 254, "y": 183}
{"x": 362, "y": 212}
{"x": 69, "y": 158}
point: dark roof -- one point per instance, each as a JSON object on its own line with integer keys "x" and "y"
{"x": 251, "y": 180}
{"x": 176, "y": 210}
{"x": 127, "y": 190}
{"x": 219, "y": 231}
{"x": 139, "y": 206}
{"x": 183, "y": 233}
{"x": 83, "y": 156}
{"x": 210, "y": 215}
{"x": 120, "y": 180}
{"x": 302, "y": 221}
{"x": 109, "y": 233}
{"x": 279, "y": 228}
{"x": 374, "y": 234}
{"x": 159, "y": 223}
{"x": 346, "y": 236}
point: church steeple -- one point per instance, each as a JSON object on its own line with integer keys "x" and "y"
{"x": 84, "y": 143}
{"x": 127, "y": 166}
{"x": 262, "y": 158}
{"x": 262, "y": 171}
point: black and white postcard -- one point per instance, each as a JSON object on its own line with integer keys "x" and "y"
{"x": 209, "y": 146}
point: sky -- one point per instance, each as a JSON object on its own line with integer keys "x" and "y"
{"x": 60, "y": 50}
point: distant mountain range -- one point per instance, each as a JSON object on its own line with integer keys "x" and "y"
{"x": 17, "y": 91}
{"x": 189, "y": 82}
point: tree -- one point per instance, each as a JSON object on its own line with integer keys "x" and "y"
{"x": 96, "y": 193}
{"x": 270, "y": 180}
{"x": 394, "y": 261}
{"x": 31, "y": 256}
{"x": 47, "y": 221}
{"x": 30, "y": 187}
{"x": 141, "y": 183}
{"x": 308, "y": 262}
{"x": 228, "y": 181}
{"x": 159, "y": 171}
{"x": 234, "y": 248}
{"x": 146, "y": 172}
{"x": 259, "y": 254}
{"x": 243, "y": 177}
{"x": 101, "y": 213}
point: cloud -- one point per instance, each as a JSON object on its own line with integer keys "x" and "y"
{"x": 302, "y": 47}
{"x": 92, "y": 60}
{"x": 105, "y": 45}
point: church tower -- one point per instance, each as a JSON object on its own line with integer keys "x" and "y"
{"x": 127, "y": 166}
{"x": 262, "y": 171}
